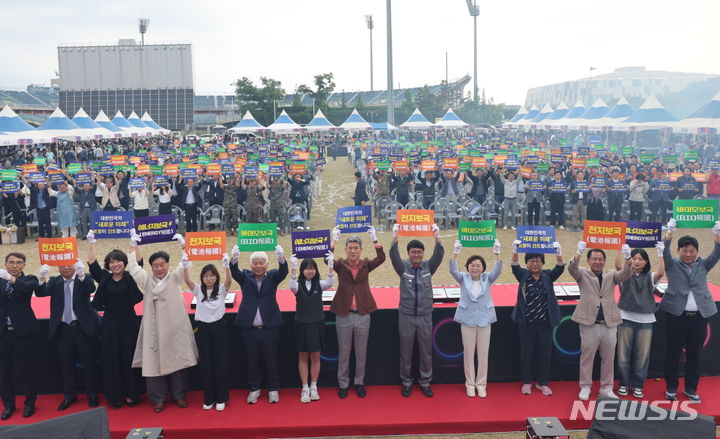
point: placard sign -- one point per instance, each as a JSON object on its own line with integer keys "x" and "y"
{"x": 136, "y": 183}
{"x": 695, "y": 214}
{"x": 642, "y": 235}
{"x": 107, "y": 225}
{"x": 257, "y": 237}
{"x": 415, "y": 222}
{"x": 83, "y": 177}
{"x": 476, "y": 233}
{"x": 205, "y": 246}
{"x": 152, "y": 229}
{"x": 354, "y": 219}
{"x": 58, "y": 252}
{"x": 310, "y": 243}
{"x": 536, "y": 239}
{"x": 604, "y": 234}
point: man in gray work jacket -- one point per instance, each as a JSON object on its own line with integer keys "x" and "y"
{"x": 688, "y": 305}
{"x": 416, "y": 306}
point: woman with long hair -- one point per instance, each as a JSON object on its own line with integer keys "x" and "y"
{"x": 309, "y": 320}
{"x": 212, "y": 331}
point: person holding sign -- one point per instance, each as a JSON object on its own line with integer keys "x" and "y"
{"x": 309, "y": 320}
{"x": 598, "y": 315}
{"x": 74, "y": 325}
{"x": 416, "y": 306}
{"x": 686, "y": 185}
{"x": 557, "y": 188}
{"x": 536, "y": 313}
{"x": 616, "y": 194}
{"x": 165, "y": 346}
{"x": 637, "y": 309}
{"x": 687, "y": 304}
{"x": 116, "y": 295}
{"x": 660, "y": 194}
{"x": 212, "y": 332}
{"x": 579, "y": 191}
{"x": 190, "y": 201}
{"x": 638, "y": 188}
{"x": 66, "y": 214}
{"x": 85, "y": 198}
{"x": 140, "y": 202}
{"x": 110, "y": 200}
{"x": 352, "y": 305}
{"x": 476, "y": 314}
{"x": 260, "y": 319}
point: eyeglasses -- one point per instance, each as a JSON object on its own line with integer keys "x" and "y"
{"x": 15, "y": 263}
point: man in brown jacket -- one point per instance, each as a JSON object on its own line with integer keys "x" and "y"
{"x": 352, "y": 305}
{"x": 597, "y": 315}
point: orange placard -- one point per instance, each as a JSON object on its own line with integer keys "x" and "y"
{"x": 673, "y": 176}
{"x": 196, "y": 166}
{"x": 499, "y": 159}
{"x": 604, "y": 234}
{"x": 415, "y": 222}
{"x": 58, "y": 252}
{"x": 578, "y": 163}
{"x": 525, "y": 171}
{"x": 479, "y": 162}
{"x": 135, "y": 160}
{"x": 450, "y": 163}
{"x": 401, "y": 166}
{"x": 300, "y": 155}
{"x": 142, "y": 170}
{"x": 297, "y": 170}
{"x": 171, "y": 170}
{"x": 31, "y": 167}
{"x": 118, "y": 160}
{"x": 205, "y": 246}
{"x": 700, "y": 177}
{"x": 223, "y": 155}
{"x": 239, "y": 167}
{"x": 427, "y": 165}
{"x": 432, "y": 149}
{"x": 214, "y": 169}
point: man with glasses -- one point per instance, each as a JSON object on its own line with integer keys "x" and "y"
{"x": 416, "y": 306}
{"x": 18, "y": 326}
{"x": 597, "y": 315}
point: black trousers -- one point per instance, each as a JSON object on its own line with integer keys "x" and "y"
{"x": 557, "y": 210}
{"x": 164, "y": 209}
{"x": 687, "y": 331}
{"x": 533, "y": 213}
{"x": 262, "y": 345}
{"x": 142, "y": 213}
{"x": 43, "y": 217}
{"x": 615, "y": 207}
{"x": 212, "y": 343}
{"x": 538, "y": 341}
{"x": 15, "y": 348}
{"x": 191, "y": 216}
{"x": 659, "y": 209}
{"x": 74, "y": 345}
{"x": 118, "y": 336}
{"x": 636, "y": 210}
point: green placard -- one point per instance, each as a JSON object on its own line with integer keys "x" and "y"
{"x": 476, "y": 233}
{"x": 589, "y": 163}
{"x": 647, "y": 158}
{"x": 691, "y": 155}
{"x": 542, "y": 167}
{"x": 464, "y": 166}
{"x": 204, "y": 160}
{"x": 562, "y": 142}
{"x": 40, "y": 161}
{"x": 9, "y": 174}
{"x": 74, "y": 168}
{"x": 156, "y": 169}
{"x": 695, "y": 214}
{"x": 628, "y": 150}
{"x": 264, "y": 168}
{"x": 184, "y": 150}
{"x": 383, "y": 165}
{"x": 257, "y": 237}
{"x": 670, "y": 158}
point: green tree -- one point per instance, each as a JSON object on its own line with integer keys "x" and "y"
{"x": 324, "y": 86}
{"x": 428, "y": 103}
{"x": 259, "y": 100}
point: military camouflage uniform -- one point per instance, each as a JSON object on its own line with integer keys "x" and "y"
{"x": 230, "y": 206}
{"x": 253, "y": 204}
{"x": 277, "y": 209}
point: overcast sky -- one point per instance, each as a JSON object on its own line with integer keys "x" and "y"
{"x": 521, "y": 43}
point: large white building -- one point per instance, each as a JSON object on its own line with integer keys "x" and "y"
{"x": 630, "y": 82}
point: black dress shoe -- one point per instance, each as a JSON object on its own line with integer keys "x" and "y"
{"x": 131, "y": 402}
{"x": 93, "y": 401}
{"x": 342, "y": 393}
{"x": 361, "y": 390}
{"x": 406, "y": 391}
{"x": 29, "y": 410}
{"x": 116, "y": 405}
{"x": 66, "y": 403}
{"x": 427, "y": 391}
{"x": 7, "y": 413}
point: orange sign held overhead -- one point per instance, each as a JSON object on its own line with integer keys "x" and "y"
{"x": 142, "y": 170}
{"x": 213, "y": 169}
{"x": 415, "y": 222}
{"x": 428, "y": 165}
{"x": 118, "y": 160}
{"x": 401, "y": 166}
{"x": 604, "y": 234}
{"x": 58, "y": 252}
{"x": 171, "y": 170}
{"x": 205, "y": 246}
{"x": 450, "y": 163}
{"x": 297, "y": 170}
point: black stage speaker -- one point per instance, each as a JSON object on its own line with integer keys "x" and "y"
{"x": 630, "y": 419}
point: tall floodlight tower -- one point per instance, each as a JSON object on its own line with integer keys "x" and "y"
{"x": 370, "y": 25}
{"x": 143, "y": 24}
{"x": 474, "y": 10}
{"x": 390, "y": 90}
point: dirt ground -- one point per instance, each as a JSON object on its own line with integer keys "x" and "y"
{"x": 337, "y": 188}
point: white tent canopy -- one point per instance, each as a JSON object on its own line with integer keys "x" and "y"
{"x": 247, "y": 124}
{"x": 284, "y": 124}
{"x": 619, "y": 112}
{"x": 92, "y": 128}
{"x": 320, "y": 123}
{"x": 151, "y": 123}
{"x": 708, "y": 116}
{"x": 650, "y": 116}
{"x": 134, "y": 119}
{"x": 416, "y": 121}
{"x": 355, "y": 122}
{"x": 451, "y": 120}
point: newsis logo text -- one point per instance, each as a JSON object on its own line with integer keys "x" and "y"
{"x": 627, "y": 410}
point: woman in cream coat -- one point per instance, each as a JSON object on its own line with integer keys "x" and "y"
{"x": 475, "y": 313}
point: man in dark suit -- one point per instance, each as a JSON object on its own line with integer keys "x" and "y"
{"x": 360, "y": 191}
{"x": 40, "y": 201}
{"x": 74, "y": 323}
{"x": 260, "y": 319}
{"x": 18, "y": 326}
{"x": 190, "y": 201}
{"x": 214, "y": 193}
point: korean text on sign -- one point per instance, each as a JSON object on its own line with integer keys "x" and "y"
{"x": 476, "y": 233}
{"x": 58, "y": 252}
{"x": 112, "y": 224}
{"x": 257, "y": 237}
{"x": 158, "y": 228}
{"x": 604, "y": 234}
{"x": 415, "y": 222}
{"x": 536, "y": 239}
{"x": 354, "y": 219}
{"x": 205, "y": 246}
{"x": 310, "y": 243}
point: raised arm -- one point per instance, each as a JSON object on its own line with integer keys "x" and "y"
{"x": 437, "y": 256}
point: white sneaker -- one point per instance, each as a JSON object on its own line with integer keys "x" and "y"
{"x": 207, "y": 406}
{"x": 608, "y": 394}
{"x": 314, "y": 395}
{"x": 220, "y": 406}
{"x": 513, "y": 227}
{"x": 305, "y": 396}
{"x": 481, "y": 392}
{"x": 584, "y": 394}
{"x": 561, "y": 227}
{"x": 253, "y": 397}
{"x": 273, "y": 396}
{"x": 504, "y": 227}
{"x": 470, "y": 391}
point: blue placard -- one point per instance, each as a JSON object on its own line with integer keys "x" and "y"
{"x": 108, "y": 225}
{"x": 56, "y": 178}
{"x": 83, "y": 177}
{"x": 354, "y": 219}
{"x": 536, "y": 239}
{"x": 10, "y": 187}
{"x": 36, "y": 177}
{"x": 106, "y": 170}
{"x": 136, "y": 183}
{"x": 227, "y": 169}
{"x": 250, "y": 171}
{"x": 188, "y": 173}
{"x": 276, "y": 170}
{"x": 641, "y": 234}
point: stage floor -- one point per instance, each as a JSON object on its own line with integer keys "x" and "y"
{"x": 384, "y": 411}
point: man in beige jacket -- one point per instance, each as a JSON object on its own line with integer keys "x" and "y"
{"x": 597, "y": 315}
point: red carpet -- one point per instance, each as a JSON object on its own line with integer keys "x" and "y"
{"x": 383, "y": 412}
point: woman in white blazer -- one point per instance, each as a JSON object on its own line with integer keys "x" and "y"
{"x": 475, "y": 313}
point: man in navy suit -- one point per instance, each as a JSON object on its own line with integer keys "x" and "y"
{"x": 75, "y": 325}
{"x": 260, "y": 319}
{"x": 18, "y": 326}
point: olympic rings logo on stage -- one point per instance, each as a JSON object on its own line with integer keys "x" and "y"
{"x": 557, "y": 343}
{"x": 436, "y": 348}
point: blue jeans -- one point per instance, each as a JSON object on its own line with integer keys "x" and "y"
{"x": 633, "y": 352}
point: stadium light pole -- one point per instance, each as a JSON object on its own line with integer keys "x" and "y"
{"x": 474, "y": 11}
{"x": 370, "y": 25}
{"x": 390, "y": 91}
{"x": 143, "y": 24}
